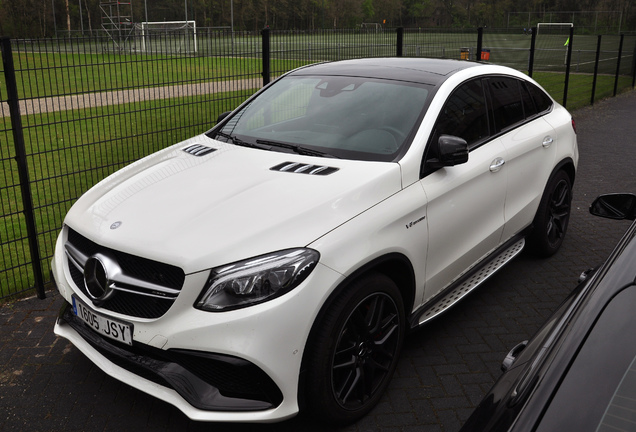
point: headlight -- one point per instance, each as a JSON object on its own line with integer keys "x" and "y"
{"x": 256, "y": 280}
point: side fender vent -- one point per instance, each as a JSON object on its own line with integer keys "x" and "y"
{"x": 198, "y": 150}
{"x": 300, "y": 168}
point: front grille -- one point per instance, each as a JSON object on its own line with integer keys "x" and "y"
{"x": 147, "y": 290}
{"x": 207, "y": 381}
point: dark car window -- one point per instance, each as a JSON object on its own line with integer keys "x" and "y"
{"x": 507, "y": 105}
{"x": 599, "y": 391}
{"x": 529, "y": 108}
{"x": 541, "y": 100}
{"x": 464, "y": 114}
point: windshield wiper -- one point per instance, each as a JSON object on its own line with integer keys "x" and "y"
{"x": 296, "y": 148}
{"x": 235, "y": 140}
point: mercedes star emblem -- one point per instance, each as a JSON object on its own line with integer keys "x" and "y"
{"x": 96, "y": 278}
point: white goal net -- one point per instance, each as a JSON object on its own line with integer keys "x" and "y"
{"x": 552, "y": 44}
{"x": 371, "y": 27}
{"x": 167, "y": 37}
{"x": 554, "y": 28}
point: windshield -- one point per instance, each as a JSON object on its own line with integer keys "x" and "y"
{"x": 345, "y": 117}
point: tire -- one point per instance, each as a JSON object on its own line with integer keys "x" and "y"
{"x": 551, "y": 221}
{"x": 355, "y": 350}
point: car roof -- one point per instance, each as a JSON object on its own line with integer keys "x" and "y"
{"x": 419, "y": 70}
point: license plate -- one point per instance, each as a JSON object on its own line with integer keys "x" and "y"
{"x": 108, "y": 327}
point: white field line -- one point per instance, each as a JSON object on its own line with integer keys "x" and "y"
{"x": 89, "y": 100}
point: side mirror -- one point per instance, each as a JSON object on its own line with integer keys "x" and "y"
{"x": 615, "y": 206}
{"x": 451, "y": 150}
{"x": 221, "y": 116}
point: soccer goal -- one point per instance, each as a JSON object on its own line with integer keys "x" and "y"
{"x": 552, "y": 43}
{"x": 554, "y": 28}
{"x": 376, "y": 27}
{"x": 168, "y": 37}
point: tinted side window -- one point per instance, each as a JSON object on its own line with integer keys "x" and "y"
{"x": 541, "y": 100}
{"x": 529, "y": 107}
{"x": 464, "y": 114}
{"x": 506, "y": 102}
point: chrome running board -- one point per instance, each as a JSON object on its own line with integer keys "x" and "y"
{"x": 476, "y": 277}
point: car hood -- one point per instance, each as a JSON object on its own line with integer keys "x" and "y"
{"x": 198, "y": 212}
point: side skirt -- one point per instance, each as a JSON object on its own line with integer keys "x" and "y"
{"x": 458, "y": 290}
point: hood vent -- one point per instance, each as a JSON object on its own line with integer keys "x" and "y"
{"x": 300, "y": 168}
{"x": 198, "y": 150}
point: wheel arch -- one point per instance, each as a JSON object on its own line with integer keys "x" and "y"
{"x": 566, "y": 165}
{"x": 397, "y": 267}
{"x": 539, "y": 242}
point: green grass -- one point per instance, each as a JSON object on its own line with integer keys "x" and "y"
{"x": 580, "y": 87}
{"x": 49, "y": 74}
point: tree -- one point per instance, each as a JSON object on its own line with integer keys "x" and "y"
{"x": 40, "y": 18}
{"x": 68, "y": 16}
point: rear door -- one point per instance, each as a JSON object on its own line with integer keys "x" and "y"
{"x": 530, "y": 144}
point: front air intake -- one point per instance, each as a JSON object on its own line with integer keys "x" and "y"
{"x": 198, "y": 150}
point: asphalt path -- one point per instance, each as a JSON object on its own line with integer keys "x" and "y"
{"x": 446, "y": 367}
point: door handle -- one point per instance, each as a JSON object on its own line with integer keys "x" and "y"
{"x": 512, "y": 355}
{"x": 497, "y": 164}
{"x": 547, "y": 141}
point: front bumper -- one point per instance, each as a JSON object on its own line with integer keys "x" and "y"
{"x": 207, "y": 381}
{"x": 236, "y": 366}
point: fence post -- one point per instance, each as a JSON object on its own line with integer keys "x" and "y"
{"x": 618, "y": 63}
{"x": 568, "y": 63}
{"x": 400, "y": 42}
{"x": 634, "y": 68}
{"x": 598, "y": 57}
{"x": 266, "y": 56}
{"x": 480, "y": 40}
{"x": 533, "y": 41}
{"x": 21, "y": 159}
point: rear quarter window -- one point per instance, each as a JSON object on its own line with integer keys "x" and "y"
{"x": 541, "y": 100}
{"x": 529, "y": 107}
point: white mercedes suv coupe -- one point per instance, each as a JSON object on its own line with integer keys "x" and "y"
{"x": 275, "y": 263}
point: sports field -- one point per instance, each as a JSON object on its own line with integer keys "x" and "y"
{"x": 90, "y": 65}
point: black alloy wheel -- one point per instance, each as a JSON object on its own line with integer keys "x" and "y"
{"x": 356, "y": 350}
{"x": 553, "y": 215}
{"x": 559, "y": 213}
{"x": 366, "y": 349}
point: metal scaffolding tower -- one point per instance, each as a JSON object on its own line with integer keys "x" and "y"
{"x": 117, "y": 21}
